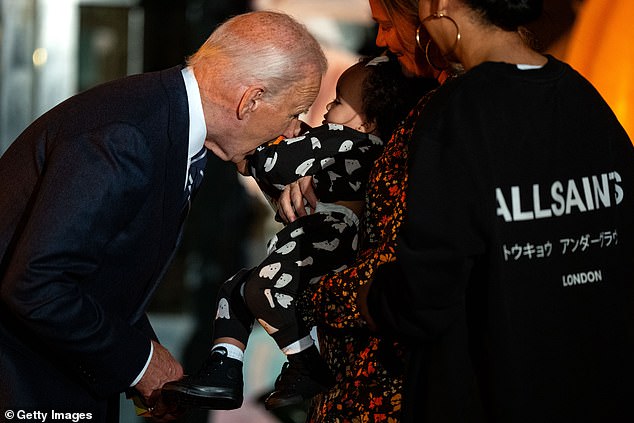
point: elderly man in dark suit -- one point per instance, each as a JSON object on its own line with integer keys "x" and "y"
{"x": 92, "y": 199}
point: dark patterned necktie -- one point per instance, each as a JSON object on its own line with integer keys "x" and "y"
{"x": 194, "y": 179}
{"x": 195, "y": 176}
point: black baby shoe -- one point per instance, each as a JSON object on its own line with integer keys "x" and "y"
{"x": 217, "y": 385}
{"x": 305, "y": 375}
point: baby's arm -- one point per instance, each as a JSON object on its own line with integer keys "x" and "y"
{"x": 276, "y": 165}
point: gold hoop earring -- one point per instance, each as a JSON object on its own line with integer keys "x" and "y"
{"x": 426, "y": 50}
{"x": 430, "y": 61}
{"x": 441, "y": 15}
{"x": 418, "y": 38}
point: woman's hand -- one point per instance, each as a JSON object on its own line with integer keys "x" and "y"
{"x": 291, "y": 202}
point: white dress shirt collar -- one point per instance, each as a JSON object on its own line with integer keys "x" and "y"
{"x": 197, "y": 127}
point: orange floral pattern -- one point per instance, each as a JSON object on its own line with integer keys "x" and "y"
{"x": 367, "y": 368}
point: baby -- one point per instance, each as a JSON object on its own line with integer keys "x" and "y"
{"x": 372, "y": 97}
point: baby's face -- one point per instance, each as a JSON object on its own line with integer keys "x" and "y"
{"x": 346, "y": 108}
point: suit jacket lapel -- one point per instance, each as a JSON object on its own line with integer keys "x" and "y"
{"x": 175, "y": 169}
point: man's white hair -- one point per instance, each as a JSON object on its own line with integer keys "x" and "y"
{"x": 267, "y": 47}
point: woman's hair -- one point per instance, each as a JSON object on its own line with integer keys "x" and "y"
{"x": 388, "y": 95}
{"x": 407, "y": 9}
{"x": 507, "y": 14}
{"x": 400, "y": 11}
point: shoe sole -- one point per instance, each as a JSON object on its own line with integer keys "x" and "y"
{"x": 208, "y": 400}
{"x": 272, "y": 404}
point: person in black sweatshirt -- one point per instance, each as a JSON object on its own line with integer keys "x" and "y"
{"x": 513, "y": 284}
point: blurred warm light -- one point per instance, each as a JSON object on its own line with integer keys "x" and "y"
{"x": 602, "y": 49}
{"x": 40, "y": 56}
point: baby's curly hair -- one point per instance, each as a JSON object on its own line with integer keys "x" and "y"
{"x": 388, "y": 95}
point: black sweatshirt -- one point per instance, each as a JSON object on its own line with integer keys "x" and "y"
{"x": 514, "y": 280}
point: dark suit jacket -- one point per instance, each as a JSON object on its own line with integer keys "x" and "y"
{"x": 91, "y": 203}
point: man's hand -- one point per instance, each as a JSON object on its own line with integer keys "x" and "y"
{"x": 163, "y": 368}
{"x": 291, "y": 202}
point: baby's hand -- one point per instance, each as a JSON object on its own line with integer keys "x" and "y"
{"x": 294, "y": 197}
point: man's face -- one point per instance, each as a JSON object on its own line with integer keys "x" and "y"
{"x": 272, "y": 117}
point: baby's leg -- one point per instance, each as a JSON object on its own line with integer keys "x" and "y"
{"x": 306, "y": 249}
{"x": 234, "y": 321}
{"x": 218, "y": 383}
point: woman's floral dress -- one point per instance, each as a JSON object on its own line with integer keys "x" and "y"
{"x": 367, "y": 368}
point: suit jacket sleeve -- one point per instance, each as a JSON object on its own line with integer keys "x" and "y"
{"x": 90, "y": 189}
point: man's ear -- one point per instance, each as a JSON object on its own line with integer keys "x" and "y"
{"x": 250, "y": 101}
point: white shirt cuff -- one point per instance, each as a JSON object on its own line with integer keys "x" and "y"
{"x": 147, "y": 363}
